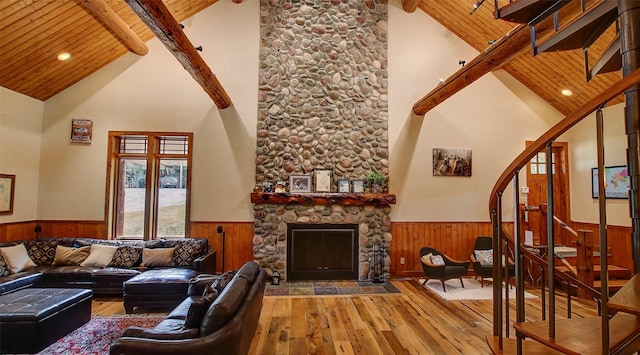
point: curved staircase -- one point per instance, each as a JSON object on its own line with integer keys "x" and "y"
{"x": 617, "y": 328}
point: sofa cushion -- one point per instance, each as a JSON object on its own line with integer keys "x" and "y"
{"x": 168, "y": 329}
{"x": 198, "y": 309}
{"x": 157, "y": 257}
{"x": 70, "y": 256}
{"x": 99, "y": 255}
{"x": 126, "y": 256}
{"x": 42, "y": 252}
{"x": 4, "y": 267}
{"x": 249, "y": 271}
{"x": 17, "y": 257}
{"x": 225, "y": 306}
{"x": 186, "y": 251}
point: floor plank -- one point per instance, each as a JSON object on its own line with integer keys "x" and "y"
{"x": 414, "y": 321}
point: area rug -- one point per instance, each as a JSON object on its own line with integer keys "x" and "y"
{"x": 472, "y": 290}
{"x": 97, "y": 335}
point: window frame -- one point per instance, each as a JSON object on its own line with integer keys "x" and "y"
{"x": 153, "y": 157}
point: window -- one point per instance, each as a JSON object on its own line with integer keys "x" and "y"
{"x": 538, "y": 164}
{"x": 148, "y": 189}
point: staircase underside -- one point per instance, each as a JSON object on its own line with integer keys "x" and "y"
{"x": 525, "y": 11}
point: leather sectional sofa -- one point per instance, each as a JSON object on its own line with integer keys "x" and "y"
{"x": 221, "y": 320}
{"x": 190, "y": 255}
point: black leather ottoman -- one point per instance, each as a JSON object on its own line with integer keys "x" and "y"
{"x": 157, "y": 288}
{"x": 33, "y": 318}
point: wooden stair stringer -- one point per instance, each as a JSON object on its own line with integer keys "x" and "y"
{"x": 583, "y": 336}
{"x": 627, "y": 299}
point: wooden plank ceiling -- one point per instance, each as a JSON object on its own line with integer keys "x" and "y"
{"x": 34, "y": 32}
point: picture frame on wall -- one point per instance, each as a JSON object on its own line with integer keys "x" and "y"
{"x": 344, "y": 186}
{"x": 322, "y": 180}
{"x": 357, "y": 186}
{"x": 81, "y": 131}
{"x": 7, "y": 193}
{"x": 617, "y": 182}
{"x": 299, "y": 183}
{"x": 451, "y": 162}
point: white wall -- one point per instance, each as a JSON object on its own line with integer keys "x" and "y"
{"x": 583, "y": 156}
{"x": 493, "y": 116}
{"x": 20, "y": 126}
{"x": 154, "y": 93}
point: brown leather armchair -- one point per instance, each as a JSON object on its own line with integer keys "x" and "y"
{"x": 451, "y": 269}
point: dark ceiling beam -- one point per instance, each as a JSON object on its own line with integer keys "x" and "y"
{"x": 495, "y": 56}
{"x": 410, "y": 5}
{"x": 116, "y": 25}
{"x": 158, "y": 18}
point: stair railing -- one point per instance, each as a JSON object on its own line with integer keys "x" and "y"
{"x": 510, "y": 176}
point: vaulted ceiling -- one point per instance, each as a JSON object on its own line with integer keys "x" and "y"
{"x": 34, "y": 32}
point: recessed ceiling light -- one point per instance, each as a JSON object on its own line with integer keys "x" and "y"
{"x": 64, "y": 56}
{"x": 566, "y": 92}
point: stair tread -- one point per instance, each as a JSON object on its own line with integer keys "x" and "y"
{"x": 627, "y": 299}
{"x": 614, "y": 285}
{"x": 510, "y": 346}
{"x": 581, "y": 335}
{"x": 523, "y": 11}
{"x": 614, "y": 271}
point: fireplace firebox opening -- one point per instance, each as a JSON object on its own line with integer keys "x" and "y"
{"x": 322, "y": 251}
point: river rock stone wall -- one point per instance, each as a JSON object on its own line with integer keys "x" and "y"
{"x": 322, "y": 103}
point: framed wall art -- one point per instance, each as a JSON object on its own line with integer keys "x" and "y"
{"x": 344, "y": 186}
{"x": 322, "y": 180}
{"x": 357, "y": 186}
{"x": 616, "y": 182}
{"x": 451, "y": 162}
{"x": 81, "y": 131}
{"x": 7, "y": 193}
{"x": 299, "y": 183}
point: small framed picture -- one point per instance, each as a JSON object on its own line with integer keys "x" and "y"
{"x": 267, "y": 186}
{"x": 7, "y": 193}
{"x": 81, "y": 131}
{"x": 299, "y": 183}
{"x": 281, "y": 186}
{"x": 357, "y": 186}
{"x": 344, "y": 186}
{"x": 322, "y": 180}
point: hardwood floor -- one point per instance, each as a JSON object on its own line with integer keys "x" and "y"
{"x": 412, "y": 322}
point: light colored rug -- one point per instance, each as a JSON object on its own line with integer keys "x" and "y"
{"x": 471, "y": 290}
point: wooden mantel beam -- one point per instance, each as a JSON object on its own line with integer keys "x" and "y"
{"x": 509, "y": 46}
{"x": 157, "y": 17}
{"x": 105, "y": 14}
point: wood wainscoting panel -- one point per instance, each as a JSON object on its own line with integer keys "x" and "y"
{"x": 618, "y": 242}
{"x": 238, "y": 242}
{"x": 455, "y": 239}
{"x": 71, "y": 229}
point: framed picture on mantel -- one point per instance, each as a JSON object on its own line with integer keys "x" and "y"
{"x": 299, "y": 183}
{"x": 322, "y": 180}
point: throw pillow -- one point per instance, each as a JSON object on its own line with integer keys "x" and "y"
{"x": 426, "y": 258}
{"x": 17, "y": 258}
{"x": 42, "y": 252}
{"x": 99, "y": 255}
{"x": 437, "y": 260}
{"x": 484, "y": 257}
{"x": 157, "y": 257}
{"x": 220, "y": 283}
{"x": 198, "y": 309}
{"x": 126, "y": 256}
{"x": 4, "y": 267}
{"x": 186, "y": 252}
{"x": 70, "y": 256}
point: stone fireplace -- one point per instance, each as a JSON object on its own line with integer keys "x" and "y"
{"x": 322, "y": 104}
